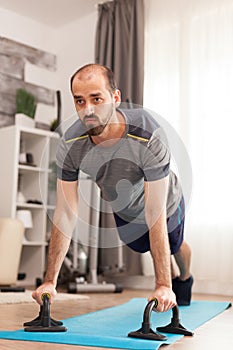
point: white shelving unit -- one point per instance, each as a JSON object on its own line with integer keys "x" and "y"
{"x": 34, "y": 181}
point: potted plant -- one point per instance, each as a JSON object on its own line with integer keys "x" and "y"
{"x": 25, "y": 108}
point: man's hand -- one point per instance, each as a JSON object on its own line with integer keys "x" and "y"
{"x": 46, "y": 287}
{"x": 166, "y": 298}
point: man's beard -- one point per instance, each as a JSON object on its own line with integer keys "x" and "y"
{"x": 93, "y": 129}
{"x": 96, "y": 130}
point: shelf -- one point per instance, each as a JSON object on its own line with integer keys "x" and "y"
{"x": 37, "y": 131}
{"x": 27, "y": 168}
{"x": 34, "y": 243}
{"x": 30, "y": 205}
{"x": 51, "y": 207}
{"x": 36, "y": 206}
{"x": 33, "y": 181}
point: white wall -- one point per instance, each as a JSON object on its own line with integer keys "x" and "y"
{"x": 73, "y": 44}
{"x": 25, "y": 30}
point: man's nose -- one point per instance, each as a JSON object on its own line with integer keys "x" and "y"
{"x": 89, "y": 109}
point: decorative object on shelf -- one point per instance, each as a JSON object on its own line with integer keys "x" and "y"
{"x": 25, "y": 108}
{"x": 55, "y": 125}
{"x": 43, "y": 126}
{"x": 22, "y": 158}
{"x": 23, "y": 120}
{"x": 26, "y": 217}
{"x": 26, "y": 159}
{"x": 34, "y": 201}
{"x": 20, "y": 197}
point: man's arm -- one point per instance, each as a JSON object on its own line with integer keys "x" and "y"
{"x": 155, "y": 211}
{"x": 64, "y": 221}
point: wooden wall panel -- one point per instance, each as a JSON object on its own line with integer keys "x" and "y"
{"x": 13, "y": 57}
{"x": 12, "y": 66}
{"x": 38, "y": 57}
{"x": 7, "y": 103}
{"x": 9, "y": 85}
{"x": 6, "y": 120}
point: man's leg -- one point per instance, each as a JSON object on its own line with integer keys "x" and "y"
{"x": 182, "y": 284}
{"x": 183, "y": 260}
{"x": 174, "y": 268}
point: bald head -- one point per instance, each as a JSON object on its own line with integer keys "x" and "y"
{"x": 88, "y": 71}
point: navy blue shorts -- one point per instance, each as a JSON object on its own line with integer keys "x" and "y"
{"x": 136, "y": 236}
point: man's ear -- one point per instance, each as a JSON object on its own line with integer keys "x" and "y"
{"x": 117, "y": 97}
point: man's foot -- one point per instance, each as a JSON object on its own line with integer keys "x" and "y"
{"x": 182, "y": 290}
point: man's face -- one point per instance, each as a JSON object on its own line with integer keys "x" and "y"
{"x": 93, "y": 100}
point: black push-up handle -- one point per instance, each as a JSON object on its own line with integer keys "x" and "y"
{"x": 145, "y": 332}
{"x": 44, "y": 323}
{"x": 175, "y": 327}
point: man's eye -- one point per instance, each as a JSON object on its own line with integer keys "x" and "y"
{"x": 98, "y": 99}
{"x": 79, "y": 102}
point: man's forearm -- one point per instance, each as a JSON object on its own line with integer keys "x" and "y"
{"x": 63, "y": 226}
{"x": 160, "y": 252}
{"x": 156, "y": 218}
{"x": 155, "y": 212}
{"x": 58, "y": 247}
{"x": 64, "y": 221}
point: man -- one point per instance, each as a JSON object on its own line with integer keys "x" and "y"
{"x": 125, "y": 153}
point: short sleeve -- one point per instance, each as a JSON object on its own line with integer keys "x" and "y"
{"x": 65, "y": 168}
{"x": 156, "y": 157}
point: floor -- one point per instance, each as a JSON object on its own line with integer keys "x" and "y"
{"x": 215, "y": 334}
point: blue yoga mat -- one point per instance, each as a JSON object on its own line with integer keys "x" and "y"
{"x": 110, "y": 327}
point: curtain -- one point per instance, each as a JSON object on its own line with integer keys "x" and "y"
{"x": 189, "y": 81}
{"x": 120, "y": 45}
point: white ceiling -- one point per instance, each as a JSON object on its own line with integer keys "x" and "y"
{"x": 54, "y": 13}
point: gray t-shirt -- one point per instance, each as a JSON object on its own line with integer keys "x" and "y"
{"x": 142, "y": 154}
